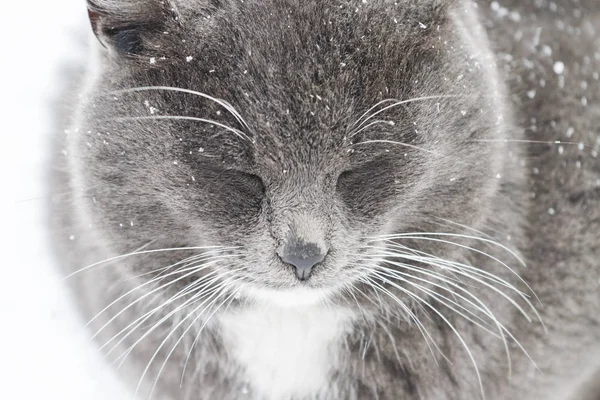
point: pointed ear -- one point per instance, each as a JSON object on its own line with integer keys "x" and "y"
{"x": 122, "y": 25}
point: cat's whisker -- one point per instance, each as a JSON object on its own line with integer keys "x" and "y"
{"x": 444, "y": 300}
{"x": 375, "y": 286}
{"x": 441, "y": 278}
{"x": 487, "y": 312}
{"x": 446, "y": 321}
{"x": 221, "y": 102}
{"x": 445, "y": 265}
{"x": 162, "y": 273}
{"x": 429, "y": 238}
{"x": 410, "y": 146}
{"x": 199, "y": 266}
{"x": 487, "y": 236}
{"x": 236, "y": 132}
{"x": 200, "y": 330}
{"x": 495, "y": 289}
{"x": 379, "y": 304}
{"x": 138, "y": 252}
{"x": 224, "y": 287}
{"x": 376, "y": 122}
{"x": 162, "y": 270}
{"x": 399, "y": 103}
{"x": 185, "y": 268}
{"x": 392, "y": 340}
{"x": 198, "y": 296}
{"x": 583, "y": 145}
{"x": 200, "y": 284}
{"x": 373, "y": 108}
{"x": 118, "y": 338}
{"x": 421, "y": 235}
{"x": 385, "y": 253}
{"x": 192, "y": 271}
{"x": 502, "y": 328}
{"x": 192, "y": 259}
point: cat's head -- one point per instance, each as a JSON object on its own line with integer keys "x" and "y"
{"x": 297, "y": 134}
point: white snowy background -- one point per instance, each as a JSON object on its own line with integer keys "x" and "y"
{"x": 45, "y": 353}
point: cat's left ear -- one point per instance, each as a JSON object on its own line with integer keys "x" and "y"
{"x": 124, "y": 25}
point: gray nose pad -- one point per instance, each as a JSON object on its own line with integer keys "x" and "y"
{"x": 302, "y": 257}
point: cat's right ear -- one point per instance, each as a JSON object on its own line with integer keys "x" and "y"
{"x": 125, "y": 25}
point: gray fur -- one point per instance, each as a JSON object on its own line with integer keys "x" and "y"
{"x": 301, "y": 73}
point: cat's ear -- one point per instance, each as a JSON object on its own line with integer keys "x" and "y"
{"x": 122, "y": 25}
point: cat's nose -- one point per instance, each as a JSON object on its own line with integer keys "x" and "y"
{"x": 303, "y": 257}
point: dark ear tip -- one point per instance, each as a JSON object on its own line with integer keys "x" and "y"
{"x": 94, "y": 19}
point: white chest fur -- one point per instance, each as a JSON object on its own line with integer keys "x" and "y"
{"x": 286, "y": 352}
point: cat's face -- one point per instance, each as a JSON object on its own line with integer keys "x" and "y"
{"x": 298, "y": 152}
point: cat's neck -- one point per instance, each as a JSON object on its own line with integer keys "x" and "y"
{"x": 287, "y": 352}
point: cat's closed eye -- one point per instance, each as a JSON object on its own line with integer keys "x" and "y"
{"x": 248, "y": 184}
{"x": 360, "y": 186}
{"x": 236, "y": 192}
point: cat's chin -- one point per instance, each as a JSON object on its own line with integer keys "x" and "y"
{"x": 289, "y": 297}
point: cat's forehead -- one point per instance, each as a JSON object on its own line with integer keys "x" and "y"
{"x": 301, "y": 76}
{"x": 297, "y": 29}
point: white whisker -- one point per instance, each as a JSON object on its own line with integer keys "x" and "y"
{"x": 508, "y": 298}
{"x": 393, "y": 273}
{"x": 444, "y": 300}
{"x": 133, "y": 303}
{"x": 399, "y": 103}
{"x": 193, "y": 258}
{"x": 531, "y": 142}
{"x": 188, "y": 261}
{"x": 195, "y": 288}
{"x": 222, "y": 289}
{"x": 236, "y": 132}
{"x": 376, "y": 122}
{"x": 465, "y": 227}
{"x": 199, "y": 295}
{"x": 137, "y": 252}
{"x": 372, "y": 108}
{"x": 488, "y": 256}
{"x": 139, "y": 321}
{"x": 448, "y": 323}
{"x": 221, "y": 102}
{"x": 420, "y": 235}
{"x": 426, "y": 335}
{"x": 187, "y": 359}
{"x": 411, "y": 146}
{"x": 185, "y": 268}
{"x": 446, "y": 265}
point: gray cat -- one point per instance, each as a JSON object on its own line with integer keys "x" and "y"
{"x": 338, "y": 199}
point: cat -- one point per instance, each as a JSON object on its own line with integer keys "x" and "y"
{"x": 340, "y": 199}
